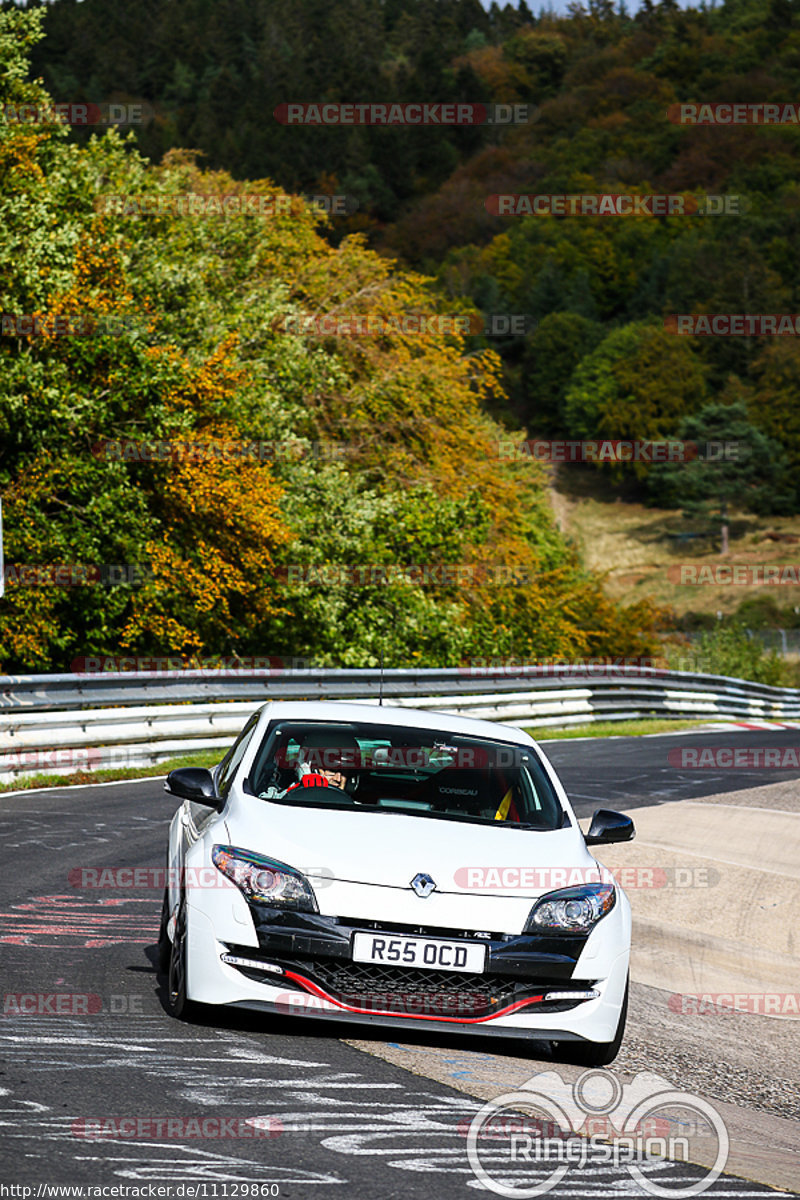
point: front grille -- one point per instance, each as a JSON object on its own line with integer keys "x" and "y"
{"x": 405, "y": 989}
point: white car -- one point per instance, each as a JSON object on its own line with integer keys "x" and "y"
{"x": 398, "y": 868}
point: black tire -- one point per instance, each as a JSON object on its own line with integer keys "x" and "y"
{"x": 179, "y": 1004}
{"x": 164, "y": 951}
{"x": 595, "y": 1054}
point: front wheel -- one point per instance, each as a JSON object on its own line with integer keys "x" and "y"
{"x": 595, "y": 1054}
{"x": 179, "y": 1004}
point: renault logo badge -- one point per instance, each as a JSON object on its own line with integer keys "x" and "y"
{"x": 423, "y": 885}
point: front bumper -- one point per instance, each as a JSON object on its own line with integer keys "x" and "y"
{"x": 308, "y": 971}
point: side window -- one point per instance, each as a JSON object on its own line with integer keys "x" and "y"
{"x": 231, "y": 761}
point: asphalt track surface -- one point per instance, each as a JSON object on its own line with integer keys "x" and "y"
{"x": 330, "y": 1119}
{"x": 604, "y": 772}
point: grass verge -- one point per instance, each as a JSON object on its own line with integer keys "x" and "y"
{"x": 208, "y": 758}
{"x": 612, "y": 729}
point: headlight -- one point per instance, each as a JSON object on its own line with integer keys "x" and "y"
{"x": 265, "y": 880}
{"x": 571, "y": 910}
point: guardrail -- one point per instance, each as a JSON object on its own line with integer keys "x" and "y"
{"x": 65, "y": 723}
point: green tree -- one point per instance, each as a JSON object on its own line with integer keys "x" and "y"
{"x": 773, "y": 400}
{"x": 552, "y": 353}
{"x": 729, "y": 651}
{"x": 736, "y": 464}
{"x": 636, "y": 385}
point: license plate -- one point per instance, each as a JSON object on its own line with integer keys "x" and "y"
{"x": 430, "y": 953}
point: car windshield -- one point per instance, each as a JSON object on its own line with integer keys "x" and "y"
{"x": 383, "y": 768}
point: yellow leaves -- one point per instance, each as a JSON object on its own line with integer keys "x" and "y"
{"x": 218, "y": 482}
{"x": 29, "y": 625}
{"x": 204, "y": 390}
{"x": 211, "y": 568}
{"x": 18, "y": 163}
{"x": 98, "y": 290}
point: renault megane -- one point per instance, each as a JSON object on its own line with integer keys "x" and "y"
{"x": 388, "y": 866}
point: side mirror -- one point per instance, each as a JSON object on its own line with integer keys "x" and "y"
{"x": 609, "y": 827}
{"x": 195, "y": 784}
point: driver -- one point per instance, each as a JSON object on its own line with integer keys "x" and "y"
{"x": 324, "y": 759}
{"x": 320, "y": 778}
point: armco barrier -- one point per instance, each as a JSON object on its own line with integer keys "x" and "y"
{"x": 61, "y": 723}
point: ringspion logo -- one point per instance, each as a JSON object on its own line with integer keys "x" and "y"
{"x": 551, "y": 1126}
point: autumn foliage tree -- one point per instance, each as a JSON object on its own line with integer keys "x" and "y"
{"x": 192, "y": 336}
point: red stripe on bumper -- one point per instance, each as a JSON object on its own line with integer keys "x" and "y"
{"x": 378, "y": 1012}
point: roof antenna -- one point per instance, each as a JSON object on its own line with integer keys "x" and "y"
{"x": 393, "y": 610}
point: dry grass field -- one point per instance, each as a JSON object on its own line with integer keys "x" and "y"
{"x": 635, "y": 546}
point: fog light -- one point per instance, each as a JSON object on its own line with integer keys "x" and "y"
{"x": 252, "y": 963}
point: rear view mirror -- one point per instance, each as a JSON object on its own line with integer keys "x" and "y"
{"x": 608, "y": 827}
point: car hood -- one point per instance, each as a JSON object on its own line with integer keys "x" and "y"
{"x": 390, "y": 849}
